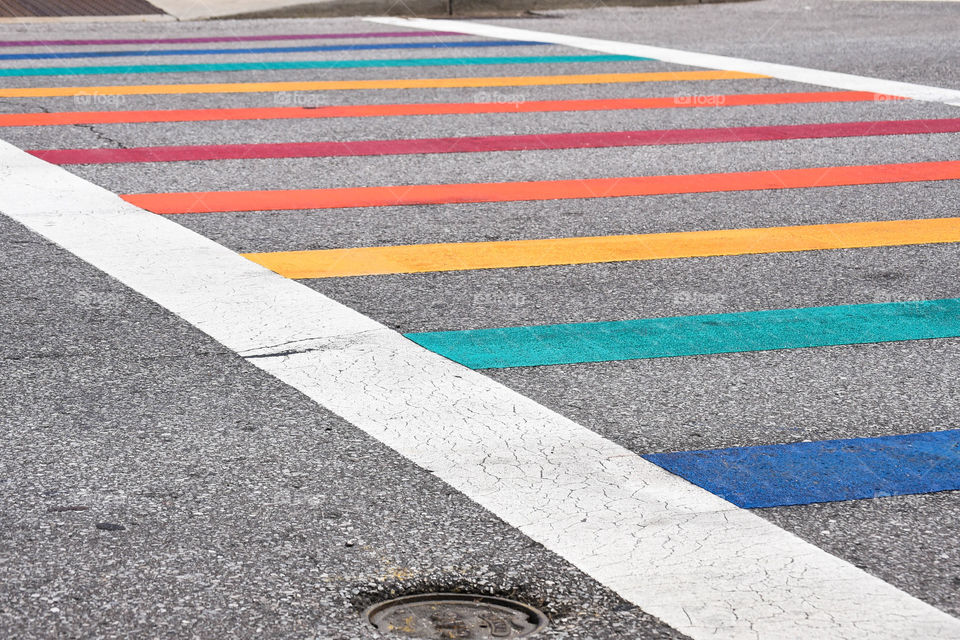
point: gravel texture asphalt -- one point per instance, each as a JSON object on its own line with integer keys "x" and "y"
{"x": 156, "y": 485}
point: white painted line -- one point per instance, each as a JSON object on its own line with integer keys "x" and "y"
{"x": 695, "y": 561}
{"x": 704, "y": 60}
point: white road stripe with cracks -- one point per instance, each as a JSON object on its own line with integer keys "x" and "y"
{"x": 697, "y": 562}
{"x": 832, "y": 79}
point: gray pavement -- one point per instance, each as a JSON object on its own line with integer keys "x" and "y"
{"x": 906, "y": 41}
{"x": 248, "y": 511}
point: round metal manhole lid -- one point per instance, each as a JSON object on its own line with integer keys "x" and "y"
{"x": 449, "y": 616}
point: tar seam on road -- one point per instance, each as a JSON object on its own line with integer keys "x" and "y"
{"x": 704, "y": 60}
{"x": 697, "y": 562}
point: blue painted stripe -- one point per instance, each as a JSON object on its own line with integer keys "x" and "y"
{"x": 309, "y": 64}
{"x": 696, "y": 335}
{"x": 268, "y": 50}
{"x": 826, "y": 471}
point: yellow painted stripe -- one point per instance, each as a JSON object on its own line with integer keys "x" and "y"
{"x": 332, "y": 263}
{"x": 342, "y": 85}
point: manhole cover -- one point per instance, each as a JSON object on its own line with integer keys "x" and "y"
{"x": 449, "y": 616}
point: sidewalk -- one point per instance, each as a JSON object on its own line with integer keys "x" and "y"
{"x": 29, "y": 10}
{"x": 14, "y": 10}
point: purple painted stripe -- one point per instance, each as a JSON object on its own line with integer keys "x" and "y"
{"x": 300, "y": 36}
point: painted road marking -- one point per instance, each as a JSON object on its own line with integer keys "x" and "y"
{"x": 262, "y": 50}
{"x": 429, "y": 108}
{"x": 540, "y": 345}
{"x": 209, "y": 39}
{"x": 478, "y": 144}
{"x": 298, "y": 199}
{"x": 458, "y": 256}
{"x": 824, "y": 471}
{"x": 693, "y": 59}
{"x": 306, "y": 64}
{"x": 693, "y": 560}
{"x": 345, "y": 85}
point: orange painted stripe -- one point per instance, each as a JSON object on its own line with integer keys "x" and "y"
{"x": 430, "y": 109}
{"x": 214, "y": 201}
{"x": 420, "y": 258}
{"x": 345, "y": 85}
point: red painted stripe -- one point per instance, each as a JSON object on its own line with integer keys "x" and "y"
{"x": 444, "y": 108}
{"x": 496, "y": 143}
{"x": 216, "y": 201}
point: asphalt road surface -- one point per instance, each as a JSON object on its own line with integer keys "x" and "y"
{"x": 156, "y": 484}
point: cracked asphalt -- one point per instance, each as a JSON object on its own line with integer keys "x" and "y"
{"x": 156, "y": 485}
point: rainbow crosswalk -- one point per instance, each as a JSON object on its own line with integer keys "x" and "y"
{"x": 428, "y": 109}
{"x": 358, "y": 85}
{"x": 231, "y": 38}
{"x": 463, "y": 144}
{"x": 826, "y": 471}
{"x": 542, "y": 345}
{"x": 536, "y": 190}
{"x": 769, "y": 475}
{"x": 462, "y": 256}
{"x": 145, "y": 53}
{"x": 304, "y": 64}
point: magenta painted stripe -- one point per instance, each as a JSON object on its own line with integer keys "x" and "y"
{"x": 299, "y": 36}
{"x": 496, "y": 143}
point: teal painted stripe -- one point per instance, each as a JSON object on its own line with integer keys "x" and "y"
{"x": 308, "y": 64}
{"x": 696, "y": 335}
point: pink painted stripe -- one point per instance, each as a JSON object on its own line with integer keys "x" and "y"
{"x": 496, "y": 143}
